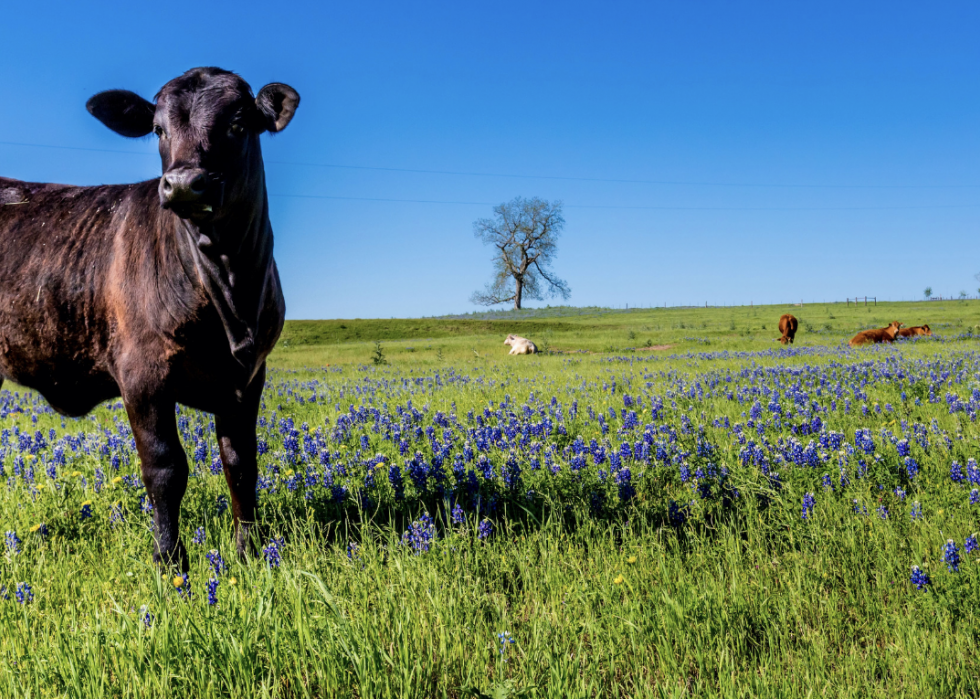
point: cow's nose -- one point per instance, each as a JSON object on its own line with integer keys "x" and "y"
{"x": 183, "y": 185}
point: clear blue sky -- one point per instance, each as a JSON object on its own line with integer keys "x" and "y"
{"x": 790, "y": 150}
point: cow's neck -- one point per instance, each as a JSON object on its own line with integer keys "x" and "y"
{"x": 234, "y": 264}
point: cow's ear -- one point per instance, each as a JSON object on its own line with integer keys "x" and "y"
{"x": 277, "y": 104}
{"x": 123, "y": 111}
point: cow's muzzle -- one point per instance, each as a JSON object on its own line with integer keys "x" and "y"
{"x": 185, "y": 191}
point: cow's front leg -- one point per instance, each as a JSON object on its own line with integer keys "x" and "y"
{"x": 164, "y": 468}
{"x": 235, "y": 430}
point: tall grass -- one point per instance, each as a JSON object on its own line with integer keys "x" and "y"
{"x": 746, "y": 599}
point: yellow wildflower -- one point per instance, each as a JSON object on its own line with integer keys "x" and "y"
{"x": 76, "y": 474}
{"x": 117, "y": 480}
{"x": 35, "y": 528}
{"x": 178, "y": 581}
{"x": 232, "y": 581}
{"x": 289, "y": 473}
{"x": 619, "y": 580}
{"x": 631, "y": 559}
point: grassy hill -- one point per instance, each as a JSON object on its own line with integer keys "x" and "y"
{"x": 607, "y": 331}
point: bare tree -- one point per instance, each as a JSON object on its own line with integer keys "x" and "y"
{"x": 524, "y": 234}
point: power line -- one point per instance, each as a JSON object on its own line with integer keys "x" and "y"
{"x": 641, "y": 208}
{"x": 463, "y": 173}
{"x": 625, "y": 181}
{"x": 569, "y": 206}
{"x": 90, "y": 150}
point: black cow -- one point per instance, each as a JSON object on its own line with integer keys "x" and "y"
{"x": 161, "y": 292}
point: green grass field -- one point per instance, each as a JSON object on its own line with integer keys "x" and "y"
{"x": 314, "y": 342}
{"x": 671, "y": 558}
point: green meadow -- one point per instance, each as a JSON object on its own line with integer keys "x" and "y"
{"x": 570, "y": 331}
{"x": 635, "y": 524}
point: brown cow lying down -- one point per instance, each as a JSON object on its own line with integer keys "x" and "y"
{"x": 520, "y": 345}
{"x": 787, "y": 326}
{"x": 915, "y": 330}
{"x": 867, "y": 337}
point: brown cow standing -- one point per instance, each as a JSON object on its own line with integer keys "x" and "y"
{"x": 787, "y": 326}
{"x": 915, "y": 330}
{"x": 161, "y": 292}
{"x": 866, "y": 337}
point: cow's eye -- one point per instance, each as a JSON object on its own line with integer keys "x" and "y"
{"x": 158, "y": 130}
{"x": 236, "y": 130}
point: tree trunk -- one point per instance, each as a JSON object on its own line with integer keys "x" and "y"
{"x": 517, "y": 294}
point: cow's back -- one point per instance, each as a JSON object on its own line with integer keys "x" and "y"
{"x": 57, "y": 247}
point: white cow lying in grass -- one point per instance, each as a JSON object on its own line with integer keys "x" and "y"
{"x": 520, "y": 345}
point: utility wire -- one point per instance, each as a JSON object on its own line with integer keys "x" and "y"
{"x": 463, "y": 173}
{"x": 569, "y": 206}
{"x": 641, "y": 208}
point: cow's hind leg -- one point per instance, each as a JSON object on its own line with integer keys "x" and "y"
{"x": 164, "y": 469}
{"x": 236, "y": 438}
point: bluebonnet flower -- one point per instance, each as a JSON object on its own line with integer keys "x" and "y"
{"x": 956, "y": 473}
{"x": 13, "y": 542}
{"x": 624, "y": 480}
{"x": 273, "y": 554}
{"x": 951, "y": 556}
{"x": 860, "y": 509}
{"x": 504, "y": 638}
{"x": 899, "y": 493}
{"x": 903, "y": 448}
{"x": 775, "y": 481}
{"x": 971, "y": 545}
{"x": 217, "y": 562}
{"x": 145, "y": 616}
{"x": 200, "y": 537}
{"x": 212, "y": 591}
{"x": 395, "y": 478}
{"x": 919, "y": 579}
{"x": 86, "y": 511}
{"x": 457, "y": 515}
{"x": 116, "y": 515}
{"x": 221, "y": 505}
{"x": 24, "y": 593}
{"x": 420, "y": 534}
{"x": 974, "y": 496}
{"x": 864, "y": 441}
{"x": 485, "y": 529}
{"x": 353, "y": 550}
{"x": 972, "y": 472}
{"x": 911, "y": 467}
{"x": 808, "y": 502}
{"x": 675, "y": 514}
{"x": 183, "y": 585}
{"x": 828, "y": 484}
{"x": 883, "y": 512}
{"x": 916, "y": 512}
